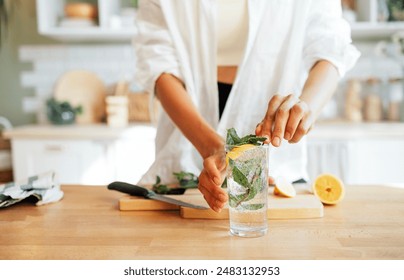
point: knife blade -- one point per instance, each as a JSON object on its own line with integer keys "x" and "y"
{"x": 136, "y": 190}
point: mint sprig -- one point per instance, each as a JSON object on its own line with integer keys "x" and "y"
{"x": 186, "y": 180}
{"x": 233, "y": 139}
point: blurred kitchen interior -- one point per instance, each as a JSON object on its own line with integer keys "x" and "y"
{"x": 48, "y": 46}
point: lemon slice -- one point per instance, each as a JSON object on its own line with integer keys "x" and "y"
{"x": 284, "y": 188}
{"x": 237, "y": 151}
{"x": 328, "y": 188}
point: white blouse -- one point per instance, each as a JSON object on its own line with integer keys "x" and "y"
{"x": 285, "y": 39}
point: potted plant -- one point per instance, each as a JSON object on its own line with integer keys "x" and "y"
{"x": 396, "y": 8}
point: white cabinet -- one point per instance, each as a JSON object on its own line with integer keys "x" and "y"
{"x": 74, "y": 161}
{"x": 90, "y": 155}
{"x": 365, "y": 153}
{"x": 376, "y": 161}
{"x": 108, "y": 27}
{"x": 363, "y": 161}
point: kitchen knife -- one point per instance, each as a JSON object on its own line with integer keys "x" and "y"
{"x": 146, "y": 193}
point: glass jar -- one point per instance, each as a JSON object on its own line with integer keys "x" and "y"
{"x": 373, "y": 103}
{"x": 353, "y": 101}
{"x": 395, "y": 97}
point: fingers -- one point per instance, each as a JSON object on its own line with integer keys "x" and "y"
{"x": 281, "y": 119}
{"x": 214, "y": 166}
{"x": 210, "y": 182}
{"x": 287, "y": 118}
{"x": 265, "y": 127}
{"x": 303, "y": 128}
{"x": 297, "y": 113}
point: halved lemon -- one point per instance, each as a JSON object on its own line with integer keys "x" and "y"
{"x": 328, "y": 188}
{"x": 284, "y": 188}
{"x": 237, "y": 151}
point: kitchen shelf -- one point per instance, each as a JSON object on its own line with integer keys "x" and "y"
{"x": 375, "y": 30}
{"x": 368, "y": 26}
{"x": 50, "y": 14}
{"x": 90, "y": 34}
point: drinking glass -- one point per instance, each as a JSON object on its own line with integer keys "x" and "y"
{"x": 247, "y": 186}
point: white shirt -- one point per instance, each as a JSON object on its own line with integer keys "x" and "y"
{"x": 285, "y": 39}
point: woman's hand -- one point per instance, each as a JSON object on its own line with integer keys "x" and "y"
{"x": 210, "y": 180}
{"x": 287, "y": 118}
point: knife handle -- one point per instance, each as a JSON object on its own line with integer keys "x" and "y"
{"x": 130, "y": 189}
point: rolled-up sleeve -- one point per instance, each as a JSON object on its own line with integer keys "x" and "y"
{"x": 328, "y": 37}
{"x": 154, "y": 46}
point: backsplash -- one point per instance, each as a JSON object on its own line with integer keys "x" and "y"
{"x": 110, "y": 63}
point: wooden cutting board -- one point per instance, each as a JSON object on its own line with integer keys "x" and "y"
{"x": 85, "y": 89}
{"x": 303, "y": 205}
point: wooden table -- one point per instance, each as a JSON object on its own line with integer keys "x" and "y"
{"x": 86, "y": 224}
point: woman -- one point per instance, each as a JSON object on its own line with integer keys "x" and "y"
{"x": 281, "y": 58}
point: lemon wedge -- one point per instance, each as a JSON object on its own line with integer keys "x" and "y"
{"x": 328, "y": 188}
{"x": 284, "y": 188}
{"x": 237, "y": 151}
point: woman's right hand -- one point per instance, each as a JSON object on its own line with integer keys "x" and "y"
{"x": 210, "y": 180}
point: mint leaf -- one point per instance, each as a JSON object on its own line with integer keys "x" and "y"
{"x": 253, "y": 206}
{"x": 240, "y": 178}
{"x": 232, "y": 139}
{"x": 187, "y": 180}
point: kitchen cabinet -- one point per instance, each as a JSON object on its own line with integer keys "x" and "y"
{"x": 359, "y": 153}
{"x": 108, "y": 27}
{"x": 370, "y": 22}
{"x": 73, "y": 160}
{"x": 84, "y": 154}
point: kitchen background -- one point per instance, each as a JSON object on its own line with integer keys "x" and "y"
{"x": 360, "y": 135}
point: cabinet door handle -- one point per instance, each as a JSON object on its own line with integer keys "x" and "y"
{"x": 53, "y": 148}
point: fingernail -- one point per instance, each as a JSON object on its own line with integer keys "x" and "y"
{"x": 216, "y": 180}
{"x": 287, "y": 135}
{"x": 222, "y": 197}
{"x": 276, "y": 141}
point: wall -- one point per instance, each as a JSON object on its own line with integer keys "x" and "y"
{"x": 22, "y": 30}
{"x": 110, "y": 62}
{"x": 30, "y": 65}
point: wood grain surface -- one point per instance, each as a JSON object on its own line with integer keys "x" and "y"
{"x": 87, "y": 224}
{"x": 304, "y": 205}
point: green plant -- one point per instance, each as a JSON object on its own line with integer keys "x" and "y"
{"x": 399, "y": 4}
{"x": 396, "y": 9}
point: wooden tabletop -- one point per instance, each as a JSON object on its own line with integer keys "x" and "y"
{"x": 86, "y": 224}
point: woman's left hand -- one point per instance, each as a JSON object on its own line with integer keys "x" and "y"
{"x": 288, "y": 118}
{"x": 210, "y": 180}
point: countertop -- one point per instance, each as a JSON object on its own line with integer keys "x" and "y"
{"x": 99, "y": 131}
{"x": 86, "y": 224}
{"x": 335, "y": 130}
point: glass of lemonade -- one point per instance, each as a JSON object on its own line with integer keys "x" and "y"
{"x": 247, "y": 186}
